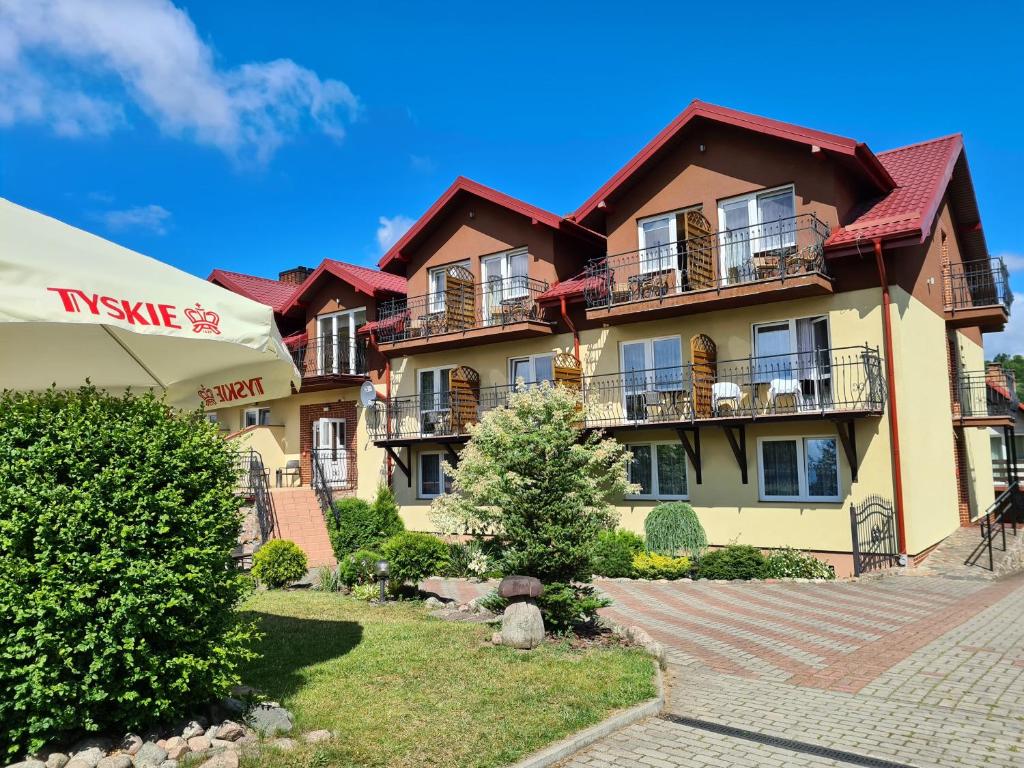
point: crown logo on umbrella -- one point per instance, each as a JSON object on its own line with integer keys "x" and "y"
{"x": 203, "y": 320}
{"x": 206, "y": 395}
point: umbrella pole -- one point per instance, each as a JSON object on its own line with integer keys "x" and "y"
{"x": 134, "y": 357}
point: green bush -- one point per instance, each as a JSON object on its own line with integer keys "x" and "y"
{"x": 279, "y": 562}
{"x": 651, "y": 565}
{"x": 117, "y": 586}
{"x": 458, "y": 560}
{"x": 356, "y": 524}
{"x": 358, "y": 567}
{"x": 328, "y": 580}
{"x": 790, "y": 563}
{"x": 365, "y": 592}
{"x": 414, "y": 556}
{"x": 736, "y": 561}
{"x": 614, "y": 551}
{"x": 673, "y": 528}
{"x": 566, "y": 606}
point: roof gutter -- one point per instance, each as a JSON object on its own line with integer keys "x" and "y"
{"x": 568, "y": 322}
{"x": 890, "y": 382}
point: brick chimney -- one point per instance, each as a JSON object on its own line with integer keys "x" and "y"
{"x": 295, "y": 275}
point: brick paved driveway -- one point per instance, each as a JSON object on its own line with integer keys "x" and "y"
{"x": 906, "y": 670}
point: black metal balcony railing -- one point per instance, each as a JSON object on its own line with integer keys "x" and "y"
{"x": 984, "y": 394}
{"x": 331, "y": 356}
{"x": 712, "y": 261}
{"x": 462, "y": 306}
{"x": 826, "y": 381}
{"x": 975, "y": 284}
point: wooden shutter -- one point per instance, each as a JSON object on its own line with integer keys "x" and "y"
{"x": 459, "y": 299}
{"x": 568, "y": 371}
{"x": 464, "y": 391}
{"x": 704, "y": 355}
{"x": 699, "y": 240}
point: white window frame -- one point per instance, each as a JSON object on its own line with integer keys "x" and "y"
{"x": 664, "y": 261}
{"x": 506, "y": 288}
{"x": 336, "y": 320}
{"x": 753, "y": 220}
{"x": 532, "y": 362}
{"x": 655, "y": 489}
{"x": 258, "y": 411}
{"x": 794, "y": 347}
{"x": 648, "y": 366}
{"x": 437, "y": 371}
{"x": 801, "y": 455}
{"x": 419, "y": 474}
{"x": 435, "y": 298}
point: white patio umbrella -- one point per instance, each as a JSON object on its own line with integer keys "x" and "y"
{"x": 75, "y": 306}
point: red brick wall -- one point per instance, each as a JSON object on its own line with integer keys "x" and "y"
{"x": 344, "y": 409}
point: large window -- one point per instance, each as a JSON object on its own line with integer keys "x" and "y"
{"x": 798, "y": 468}
{"x": 532, "y": 369}
{"x": 794, "y": 357}
{"x": 754, "y": 230}
{"x": 652, "y": 369}
{"x": 434, "y": 481}
{"x": 505, "y": 281}
{"x": 435, "y": 400}
{"x": 337, "y": 349}
{"x": 657, "y": 236}
{"x": 659, "y": 469}
{"x": 256, "y": 417}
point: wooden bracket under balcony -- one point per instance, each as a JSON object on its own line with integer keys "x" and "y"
{"x": 738, "y": 443}
{"x": 692, "y": 448}
{"x": 848, "y": 437}
{"x": 401, "y": 464}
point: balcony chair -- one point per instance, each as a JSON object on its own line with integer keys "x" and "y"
{"x": 791, "y": 389}
{"x": 291, "y": 470}
{"x": 727, "y": 394}
{"x": 668, "y": 405}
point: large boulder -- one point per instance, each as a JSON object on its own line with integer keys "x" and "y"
{"x": 522, "y": 625}
{"x": 270, "y": 720}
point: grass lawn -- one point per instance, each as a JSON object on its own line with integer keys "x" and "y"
{"x": 404, "y": 689}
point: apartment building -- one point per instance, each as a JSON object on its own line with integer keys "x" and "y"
{"x": 779, "y": 322}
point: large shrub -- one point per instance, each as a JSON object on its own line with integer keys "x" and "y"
{"x": 736, "y": 561}
{"x": 673, "y": 528}
{"x": 356, "y": 524}
{"x": 793, "y": 564}
{"x": 531, "y": 478}
{"x": 414, "y": 556}
{"x": 117, "y": 587}
{"x": 359, "y": 567}
{"x": 614, "y": 552}
{"x": 279, "y": 562}
{"x": 651, "y": 565}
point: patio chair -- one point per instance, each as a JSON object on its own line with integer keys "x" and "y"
{"x": 727, "y": 394}
{"x": 790, "y": 389}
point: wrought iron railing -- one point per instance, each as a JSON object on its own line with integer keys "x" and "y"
{"x": 824, "y": 381}
{"x": 991, "y": 393}
{"x": 1007, "y": 508}
{"x": 461, "y": 307}
{"x": 1004, "y": 470}
{"x": 974, "y": 284}
{"x": 254, "y": 485}
{"x": 777, "y": 250}
{"x": 331, "y": 356}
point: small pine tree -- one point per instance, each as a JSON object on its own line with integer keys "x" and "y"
{"x": 673, "y": 528}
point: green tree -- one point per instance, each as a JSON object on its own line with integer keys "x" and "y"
{"x": 531, "y": 477}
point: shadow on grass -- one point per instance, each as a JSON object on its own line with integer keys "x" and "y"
{"x": 291, "y": 644}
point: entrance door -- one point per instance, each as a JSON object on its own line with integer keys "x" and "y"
{"x": 330, "y": 454}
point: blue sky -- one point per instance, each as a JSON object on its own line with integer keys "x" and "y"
{"x": 256, "y": 136}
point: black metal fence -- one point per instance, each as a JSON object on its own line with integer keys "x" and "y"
{"x": 978, "y": 284}
{"x": 333, "y": 469}
{"x": 1007, "y": 509}
{"x": 875, "y": 533}
{"x": 772, "y": 251}
{"x": 254, "y": 485}
{"x": 986, "y": 393}
{"x": 331, "y": 356}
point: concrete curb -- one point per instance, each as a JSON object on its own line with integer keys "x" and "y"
{"x": 578, "y": 741}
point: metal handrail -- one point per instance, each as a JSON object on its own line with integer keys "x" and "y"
{"x": 254, "y": 483}
{"x": 993, "y": 523}
{"x": 331, "y": 356}
{"x": 321, "y": 487}
{"x": 986, "y": 393}
{"x": 973, "y": 284}
{"x": 776, "y": 250}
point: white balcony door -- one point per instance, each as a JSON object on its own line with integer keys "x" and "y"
{"x": 658, "y": 236}
{"x": 761, "y": 223}
{"x": 330, "y": 450}
{"x": 504, "y": 276}
{"x": 650, "y": 367}
{"x": 435, "y": 400}
{"x": 795, "y": 351}
{"x": 336, "y": 350}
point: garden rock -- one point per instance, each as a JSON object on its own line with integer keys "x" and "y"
{"x": 271, "y": 720}
{"x": 100, "y": 743}
{"x": 57, "y": 760}
{"x": 150, "y": 755}
{"x": 178, "y": 750}
{"x": 131, "y": 743}
{"x": 230, "y": 731}
{"x": 199, "y": 744}
{"x": 169, "y": 764}
{"x": 28, "y": 764}
{"x": 283, "y": 744}
{"x": 433, "y": 603}
{"x": 522, "y": 625}
{"x": 115, "y": 761}
{"x": 88, "y": 757}
{"x": 192, "y": 729}
{"x": 223, "y": 760}
{"x": 315, "y": 737}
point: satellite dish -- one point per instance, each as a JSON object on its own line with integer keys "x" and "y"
{"x": 367, "y": 393}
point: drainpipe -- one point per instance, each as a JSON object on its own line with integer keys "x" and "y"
{"x": 890, "y": 377}
{"x": 575, "y": 333}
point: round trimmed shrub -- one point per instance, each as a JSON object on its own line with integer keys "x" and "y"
{"x": 415, "y": 556}
{"x": 360, "y": 567}
{"x": 279, "y": 562}
{"x": 117, "y": 586}
{"x": 614, "y": 552}
{"x": 736, "y": 561}
{"x": 673, "y": 528}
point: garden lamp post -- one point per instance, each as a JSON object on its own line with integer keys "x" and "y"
{"x": 383, "y": 571}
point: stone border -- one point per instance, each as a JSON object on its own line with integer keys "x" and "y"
{"x": 583, "y": 739}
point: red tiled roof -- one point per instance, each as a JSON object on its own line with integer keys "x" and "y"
{"x": 295, "y": 340}
{"x": 273, "y": 293}
{"x": 572, "y": 288}
{"x": 462, "y": 185}
{"x": 828, "y": 142}
{"x": 921, "y": 172}
{"x": 366, "y": 280}
{"x": 395, "y": 321}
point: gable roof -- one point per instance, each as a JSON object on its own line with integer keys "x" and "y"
{"x": 857, "y": 152}
{"x": 366, "y": 280}
{"x": 272, "y": 293}
{"x": 464, "y": 186}
{"x": 922, "y": 173}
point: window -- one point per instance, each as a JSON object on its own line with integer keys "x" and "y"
{"x": 753, "y": 230}
{"x": 437, "y": 282}
{"x": 336, "y": 350}
{"x": 256, "y": 417}
{"x": 659, "y": 469}
{"x": 650, "y": 368}
{"x": 798, "y": 469}
{"x": 532, "y": 370}
{"x": 435, "y": 402}
{"x": 657, "y": 236}
{"x": 432, "y": 483}
{"x": 794, "y": 356}
{"x": 505, "y": 278}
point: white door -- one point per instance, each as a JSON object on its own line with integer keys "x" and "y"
{"x": 330, "y": 454}
{"x": 735, "y": 221}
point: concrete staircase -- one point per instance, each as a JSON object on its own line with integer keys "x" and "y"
{"x": 299, "y": 519}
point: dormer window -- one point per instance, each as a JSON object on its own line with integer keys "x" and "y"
{"x": 755, "y": 231}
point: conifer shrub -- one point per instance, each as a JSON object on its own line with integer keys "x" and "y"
{"x": 614, "y": 552}
{"x": 357, "y": 524}
{"x": 674, "y": 528}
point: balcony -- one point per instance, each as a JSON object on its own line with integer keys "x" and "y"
{"x": 838, "y": 384}
{"x": 985, "y": 398}
{"x": 326, "y": 362}
{"x": 711, "y": 270}
{"x": 500, "y": 309}
{"x": 977, "y": 293}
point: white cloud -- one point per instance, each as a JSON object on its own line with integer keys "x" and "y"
{"x": 1011, "y": 340}
{"x": 390, "y": 230}
{"x": 152, "y": 218}
{"x": 58, "y": 59}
